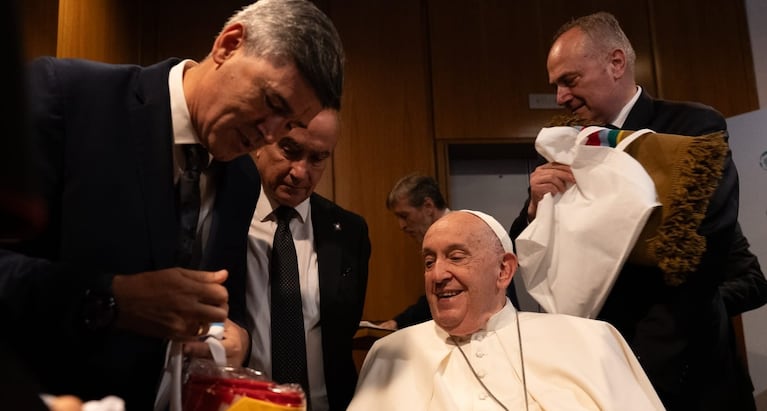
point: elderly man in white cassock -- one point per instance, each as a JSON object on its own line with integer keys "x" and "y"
{"x": 479, "y": 353}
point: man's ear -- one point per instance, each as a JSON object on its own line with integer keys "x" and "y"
{"x": 229, "y": 40}
{"x": 618, "y": 63}
{"x": 508, "y": 268}
{"x": 428, "y": 204}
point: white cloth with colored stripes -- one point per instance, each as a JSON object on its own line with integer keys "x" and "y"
{"x": 571, "y": 253}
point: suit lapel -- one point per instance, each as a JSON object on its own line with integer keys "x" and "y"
{"x": 641, "y": 114}
{"x": 237, "y": 189}
{"x": 152, "y": 130}
{"x": 327, "y": 233}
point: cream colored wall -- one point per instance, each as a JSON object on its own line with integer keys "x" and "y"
{"x": 757, "y": 26}
{"x": 752, "y": 184}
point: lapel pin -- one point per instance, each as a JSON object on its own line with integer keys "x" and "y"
{"x": 337, "y": 226}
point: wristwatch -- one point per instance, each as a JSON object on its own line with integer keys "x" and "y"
{"x": 99, "y": 309}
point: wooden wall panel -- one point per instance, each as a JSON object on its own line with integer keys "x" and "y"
{"x": 39, "y": 27}
{"x": 703, "y": 53}
{"x": 487, "y": 59}
{"x": 182, "y": 28}
{"x": 106, "y": 31}
{"x": 386, "y": 133}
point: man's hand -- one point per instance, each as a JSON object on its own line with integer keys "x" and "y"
{"x": 551, "y": 178}
{"x": 173, "y": 303}
{"x": 236, "y": 343}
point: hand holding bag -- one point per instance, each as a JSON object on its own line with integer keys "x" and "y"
{"x": 211, "y": 385}
{"x": 571, "y": 254}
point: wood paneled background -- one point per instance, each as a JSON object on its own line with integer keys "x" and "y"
{"x": 422, "y": 75}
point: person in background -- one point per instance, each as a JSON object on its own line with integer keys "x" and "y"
{"x": 682, "y": 335}
{"x": 333, "y": 251}
{"x": 417, "y": 202}
{"x": 480, "y": 353}
{"x": 101, "y": 287}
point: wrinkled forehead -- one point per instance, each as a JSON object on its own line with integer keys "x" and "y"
{"x": 457, "y": 227}
{"x": 476, "y": 227}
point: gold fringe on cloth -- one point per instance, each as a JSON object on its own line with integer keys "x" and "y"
{"x": 686, "y": 172}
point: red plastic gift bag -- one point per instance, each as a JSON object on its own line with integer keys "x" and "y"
{"x": 210, "y": 387}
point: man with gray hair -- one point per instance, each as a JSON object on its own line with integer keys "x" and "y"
{"x": 480, "y": 353}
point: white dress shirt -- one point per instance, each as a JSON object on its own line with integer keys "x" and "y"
{"x": 624, "y": 114}
{"x": 258, "y": 300}
{"x": 184, "y": 133}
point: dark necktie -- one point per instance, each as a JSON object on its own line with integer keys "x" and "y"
{"x": 189, "y": 203}
{"x": 288, "y": 339}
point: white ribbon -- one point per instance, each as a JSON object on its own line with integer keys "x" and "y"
{"x": 170, "y": 386}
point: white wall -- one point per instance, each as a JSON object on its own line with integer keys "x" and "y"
{"x": 749, "y": 151}
{"x": 757, "y": 27}
{"x": 748, "y": 140}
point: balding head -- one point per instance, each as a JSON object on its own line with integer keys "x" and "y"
{"x": 592, "y": 65}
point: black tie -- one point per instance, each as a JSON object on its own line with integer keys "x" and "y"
{"x": 288, "y": 340}
{"x": 189, "y": 202}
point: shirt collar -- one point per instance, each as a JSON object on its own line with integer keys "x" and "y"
{"x": 502, "y": 319}
{"x": 266, "y": 206}
{"x": 623, "y": 115}
{"x": 183, "y": 132}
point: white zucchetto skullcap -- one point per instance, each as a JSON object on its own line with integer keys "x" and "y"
{"x": 497, "y": 228}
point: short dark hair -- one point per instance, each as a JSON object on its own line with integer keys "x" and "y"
{"x": 416, "y": 188}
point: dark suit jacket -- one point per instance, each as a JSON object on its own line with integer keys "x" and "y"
{"x": 682, "y": 335}
{"x": 343, "y": 252}
{"x": 105, "y": 155}
{"x": 18, "y": 389}
{"x": 745, "y": 287}
{"x": 415, "y": 313}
